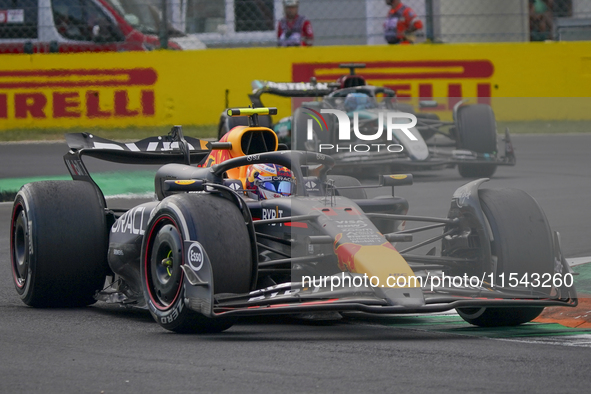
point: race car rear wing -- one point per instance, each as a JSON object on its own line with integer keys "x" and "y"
{"x": 172, "y": 148}
{"x": 289, "y": 89}
{"x": 311, "y": 89}
{"x": 151, "y": 150}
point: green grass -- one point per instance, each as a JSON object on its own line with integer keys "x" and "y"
{"x": 545, "y": 127}
{"x": 111, "y": 183}
{"x": 583, "y": 278}
{"x": 210, "y": 131}
{"x": 128, "y": 133}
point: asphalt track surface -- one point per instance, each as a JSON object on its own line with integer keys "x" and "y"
{"x": 110, "y": 349}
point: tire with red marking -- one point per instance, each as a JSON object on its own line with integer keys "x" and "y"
{"x": 218, "y": 225}
{"x": 58, "y": 244}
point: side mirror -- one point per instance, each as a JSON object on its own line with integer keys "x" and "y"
{"x": 219, "y": 145}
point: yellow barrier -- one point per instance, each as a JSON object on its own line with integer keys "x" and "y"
{"x": 170, "y": 87}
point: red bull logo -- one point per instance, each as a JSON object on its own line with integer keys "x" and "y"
{"x": 375, "y": 261}
{"x": 346, "y": 254}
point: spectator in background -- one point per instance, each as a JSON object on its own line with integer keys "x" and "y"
{"x": 294, "y": 29}
{"x": 540, "y": 20}
{"x": 401, "y": 23}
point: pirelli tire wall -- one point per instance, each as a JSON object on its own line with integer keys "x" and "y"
{"x": 174, "y": 87}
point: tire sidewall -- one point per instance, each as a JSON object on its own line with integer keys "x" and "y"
{"x": 175, "y": 314}
{"x": 214, "y": 221}
{"x": 22, "y": 204}
{"x": 67, "y": 243}
{"x": 502, "y": 209}
{"x": 506, "y": 261}
{"x": 471, "y": 136}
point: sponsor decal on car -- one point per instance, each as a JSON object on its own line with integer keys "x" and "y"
{"x": 131, "y": 222}
{"x": 195, "y": 256}
{"x": 303, "y": 86}
{"x": 270, "y": 213}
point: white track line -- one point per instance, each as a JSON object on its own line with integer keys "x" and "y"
{"x": 578, "y": 261}
{"x": 583, "y": 340}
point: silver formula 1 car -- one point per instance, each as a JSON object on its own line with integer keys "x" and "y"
{"x": 470, "y": 140}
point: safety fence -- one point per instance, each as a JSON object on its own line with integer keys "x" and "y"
{"x": 197, "y": 24}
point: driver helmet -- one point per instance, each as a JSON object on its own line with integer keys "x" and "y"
{"x": 265, "y": 181}
{"x": 290, "y": 3}
{"x": 358, "y": 101}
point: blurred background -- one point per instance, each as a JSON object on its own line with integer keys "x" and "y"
{"x": 198, "y": 24}
{"x": 479, "y": 49}
{"x": 236, "y": 23}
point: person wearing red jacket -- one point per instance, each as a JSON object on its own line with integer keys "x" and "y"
{"x": 401, "y": 23}
{"x": 294, "y": 29}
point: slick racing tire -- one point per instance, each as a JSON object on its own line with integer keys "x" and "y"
{"x": 521, "y": 244}
{"x": 218, "y": 225}
{"x": 347, "y": 181}
{"x": 477, "y": 131}
{"x": 499, "y": 317}
{"x": 58, "y": 244}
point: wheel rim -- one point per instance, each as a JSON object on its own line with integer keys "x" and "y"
{"x": 20, "y": 247}
{"x": 164, "y": 276}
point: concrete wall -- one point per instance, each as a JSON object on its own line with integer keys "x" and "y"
{"x": 482, "y": 20}
{"x": 581, "y": 8}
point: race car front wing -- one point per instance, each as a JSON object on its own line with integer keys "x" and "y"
{"x": 289, "y": 298}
